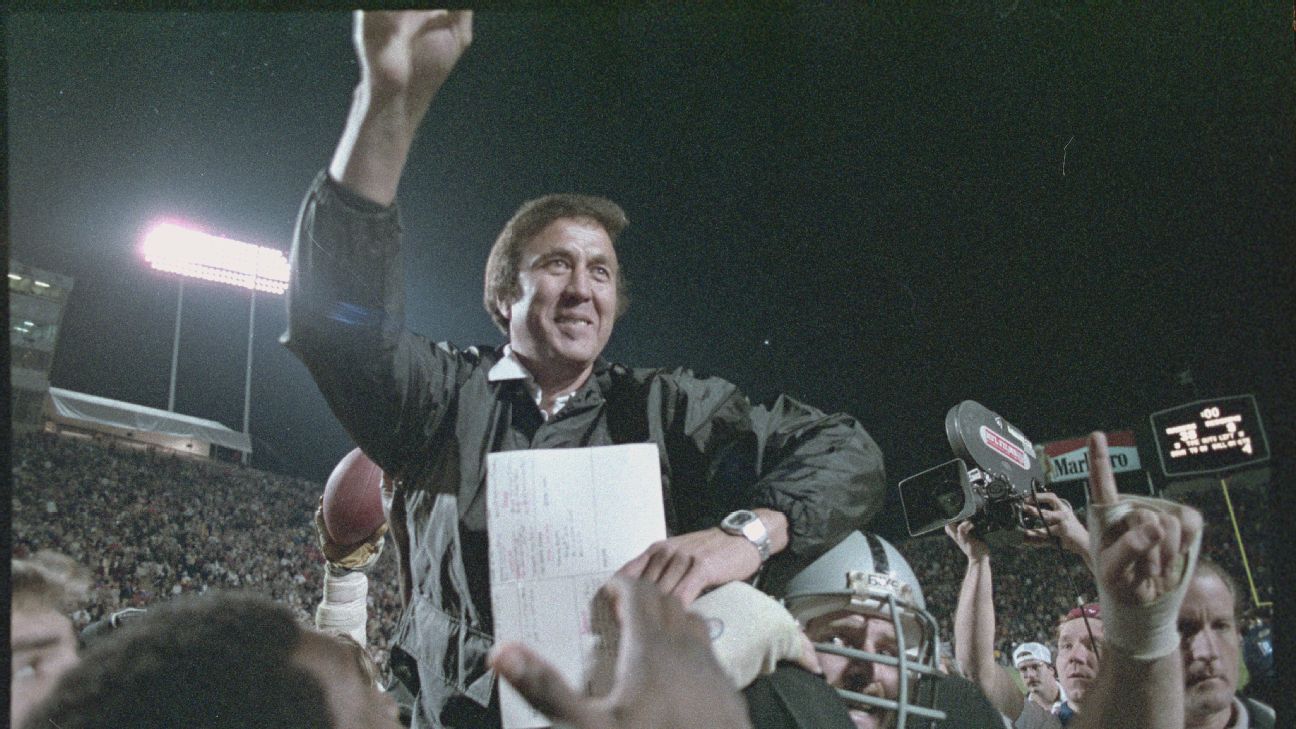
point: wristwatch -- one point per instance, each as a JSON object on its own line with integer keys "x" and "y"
{"x": 745, "y": 523}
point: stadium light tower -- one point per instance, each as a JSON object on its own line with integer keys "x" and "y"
{"x": 194, "y": 254}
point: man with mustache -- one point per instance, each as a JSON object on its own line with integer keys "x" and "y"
{"x": 863, "y": 608}
{"x": 1034, "y": 662}
{"x": 1211, "y": 647}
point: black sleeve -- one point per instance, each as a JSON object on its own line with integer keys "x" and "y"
{"x": 965, "y": 705}
{"x": 823, "y": 472}
{"x": 346, "y": 322}
{"x": 793, "y": 698}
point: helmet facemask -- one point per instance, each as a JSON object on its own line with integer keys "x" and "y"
{"x": 890, "y": 595}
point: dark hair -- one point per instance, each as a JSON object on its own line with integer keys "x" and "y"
{"x": 534, "y": 215}
{"x": 219, "y": 661}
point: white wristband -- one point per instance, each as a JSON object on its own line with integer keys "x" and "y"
{"x": 343, "y": 608}
{"x": 750, "y": 631}
{"x": 1144, "y": 632}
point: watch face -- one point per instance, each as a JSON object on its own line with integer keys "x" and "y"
{"x": 738, "y": 519}
{"x": 745, "y": 523}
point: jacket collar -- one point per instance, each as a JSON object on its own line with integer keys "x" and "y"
{"x": 510, "y": 369}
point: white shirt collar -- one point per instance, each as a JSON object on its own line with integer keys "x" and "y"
{"x": 509, "y": 367}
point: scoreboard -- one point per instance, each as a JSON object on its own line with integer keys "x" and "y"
{"x": 1210, "y": 436}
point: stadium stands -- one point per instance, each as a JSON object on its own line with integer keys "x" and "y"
{"x": 151, "y": 526}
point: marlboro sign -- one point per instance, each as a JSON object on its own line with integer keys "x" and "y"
{"x": 1068, "y": 460}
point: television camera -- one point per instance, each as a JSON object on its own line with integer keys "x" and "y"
{"x": 993, "y": 492}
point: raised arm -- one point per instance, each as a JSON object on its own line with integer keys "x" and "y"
{"x": 346, "y": 314}
{"x": 1144, "y": 551}
{"x": 405, "y": 57}
{"x": 974, "y": 625}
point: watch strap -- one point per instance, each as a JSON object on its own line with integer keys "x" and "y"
{"x": 751, "y": 528}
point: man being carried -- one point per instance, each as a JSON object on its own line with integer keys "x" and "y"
{"x": 741, "y": 484}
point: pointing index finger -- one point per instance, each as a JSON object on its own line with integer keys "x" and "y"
{"x": 1102, "y": 484}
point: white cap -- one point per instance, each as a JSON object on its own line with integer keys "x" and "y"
{"x": 1032, "y": 652}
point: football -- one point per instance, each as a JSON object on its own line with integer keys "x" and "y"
{"x": 353, "y": 499}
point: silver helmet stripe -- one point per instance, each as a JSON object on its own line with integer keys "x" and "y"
{"x": 878, "y": 581}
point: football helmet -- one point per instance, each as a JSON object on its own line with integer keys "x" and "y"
{"x": 865, "y": 574}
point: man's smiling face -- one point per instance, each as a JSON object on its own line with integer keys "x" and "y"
{"x": 563, "y": 317}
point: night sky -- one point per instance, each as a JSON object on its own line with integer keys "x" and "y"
{"x": 882, "y": 210}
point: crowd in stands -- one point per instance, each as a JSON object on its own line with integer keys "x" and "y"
{"x": 1254, "y": 524}
{"x": 151, "y": 526}
{"x": 1032, "y": 587}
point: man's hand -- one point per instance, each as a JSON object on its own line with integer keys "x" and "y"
{"x": 665, "y": 673}
{"x": 689, "y": 564}
{"x": 961, "y": 533}
{"x": 1061, "y": 522}
{"x": 1141, "y": 552}
{"x": 410, "y": 51}
{"x": 751, "y": 632}
{"x": 686, "y": 565}
{"x": 404, "y": 57}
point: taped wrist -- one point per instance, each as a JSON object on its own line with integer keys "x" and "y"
{"x": 750, "y": 631}
{"x": 1149, "y": 631}
{"x": 343, "y": 608}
